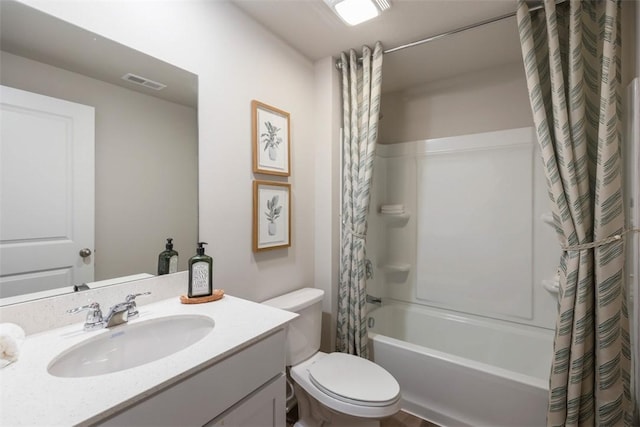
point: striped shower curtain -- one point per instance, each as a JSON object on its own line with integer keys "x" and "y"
{"x": 571, "y": 54}
{"x": 361, "y": 108}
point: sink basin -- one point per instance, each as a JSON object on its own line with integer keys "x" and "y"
{"x": 131, "y": 345}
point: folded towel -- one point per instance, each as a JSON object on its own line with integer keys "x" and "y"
{"x": 11, "y": 339}
{"x": 392, "y": 209}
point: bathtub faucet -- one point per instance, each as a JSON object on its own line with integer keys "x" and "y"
{"x": 374, "y": 300}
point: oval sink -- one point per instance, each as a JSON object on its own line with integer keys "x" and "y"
{"x": 131, "y": 345}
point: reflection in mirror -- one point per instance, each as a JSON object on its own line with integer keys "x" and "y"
{"x": 143, "y": 183}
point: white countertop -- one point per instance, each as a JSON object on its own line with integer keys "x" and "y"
{"x": 29, "y": 395}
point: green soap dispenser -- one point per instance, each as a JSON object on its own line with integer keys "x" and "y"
{"x": 168, "y": 259}
{"x": 200, "y": 273}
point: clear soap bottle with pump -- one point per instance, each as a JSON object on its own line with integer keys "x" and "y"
{"x": 168, "y": 259}
{"x": 200, "y": 273}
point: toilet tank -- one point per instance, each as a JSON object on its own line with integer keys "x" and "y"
{"x": 303, "y": 332}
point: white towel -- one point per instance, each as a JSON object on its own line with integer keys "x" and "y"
{"x": 392, "y": 209}
{"x": 11, "y": 339}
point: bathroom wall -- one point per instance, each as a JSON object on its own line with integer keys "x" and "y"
{"x": 236, "y": 60}
{"x": 130, "y": 129}
{"x": 493, "y": 99}
{"x": 476, "y": 103}
{"x": 327, "y": 194}
{"x": 466, "y": 103}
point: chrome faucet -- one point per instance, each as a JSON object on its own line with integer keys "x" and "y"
{"x": 118, "y": 314}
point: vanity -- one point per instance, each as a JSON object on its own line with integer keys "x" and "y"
{"x": 231, "y": 375}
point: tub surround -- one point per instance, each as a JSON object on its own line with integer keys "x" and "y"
{"x": 453, "y": 257}
{"x": 31, "y": 396}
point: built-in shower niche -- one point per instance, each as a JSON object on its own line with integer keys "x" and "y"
{"x": 475, "y": 242}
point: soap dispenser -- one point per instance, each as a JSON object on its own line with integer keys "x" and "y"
{"x": 168, "y": 259}
{"x": 200, "y": 273}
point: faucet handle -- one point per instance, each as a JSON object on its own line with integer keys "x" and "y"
{"x": 133, "y": 308}
{"x": 94, "y": 315}
{"x": 131, "y": 297}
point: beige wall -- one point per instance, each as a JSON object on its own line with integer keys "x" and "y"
{"x": 327, "y": 193}
{"x": 630, "y": 41}
{"x": 236, "y": 60}
{"x": 493, "y": 99}
{"x": 146, "y": 166}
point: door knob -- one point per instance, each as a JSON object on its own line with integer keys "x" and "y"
{"x": 85, "y": 252}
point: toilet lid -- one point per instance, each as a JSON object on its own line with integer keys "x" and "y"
{"x": 354, "y": 379}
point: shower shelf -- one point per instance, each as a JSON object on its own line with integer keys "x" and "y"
{"x": 400, "y": 219}
{"x": 404, "y": 215}
{"x": 396, "y": 268}
{"x": 551, "y": 286}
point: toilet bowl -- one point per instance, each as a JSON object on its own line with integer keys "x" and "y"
{"x": 336, "y": 388}
{"x": 349, "y": 385}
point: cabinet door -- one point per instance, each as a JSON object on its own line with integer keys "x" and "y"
{"x": 264, "y": 407}
{"x": 211, "y": 392}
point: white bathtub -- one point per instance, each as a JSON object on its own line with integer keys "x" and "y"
{"x": 456, "y": 371}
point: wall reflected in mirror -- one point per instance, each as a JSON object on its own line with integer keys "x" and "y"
{"x": 146, "y": 140}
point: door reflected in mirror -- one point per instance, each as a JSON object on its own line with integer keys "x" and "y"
{"x": 145, "y": 182}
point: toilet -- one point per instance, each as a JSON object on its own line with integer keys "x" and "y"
{"x": 332, "y": 389}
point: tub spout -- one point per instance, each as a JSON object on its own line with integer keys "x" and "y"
{"x": 374, "y": 300}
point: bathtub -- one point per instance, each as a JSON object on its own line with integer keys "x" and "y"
{"x": 457, "y": 371}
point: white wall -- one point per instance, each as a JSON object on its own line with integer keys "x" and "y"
{"x": 236, "y": 60}
{"x": 485, "y": 101}
{"x": 146, "y": 166}
{"x": 327, "y": 196}
{"x": 472, "y": 103}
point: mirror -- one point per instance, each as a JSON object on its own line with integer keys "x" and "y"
{"x": 146, "y": 144}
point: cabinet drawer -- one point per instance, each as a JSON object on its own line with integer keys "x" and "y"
{"x": 264, "y": 407}
{"x": 198, "y": 399}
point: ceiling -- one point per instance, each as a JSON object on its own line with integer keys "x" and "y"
{"x": 308, "y": 26}
{"x": 32, "y": 34}
{"x": 311, "y": 28}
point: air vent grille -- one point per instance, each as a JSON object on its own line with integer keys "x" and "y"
{"x": 383, "y": 4}
{"x": 143, "y": 81}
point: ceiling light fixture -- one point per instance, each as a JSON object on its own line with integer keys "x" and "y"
{"x": 354, "y": 12}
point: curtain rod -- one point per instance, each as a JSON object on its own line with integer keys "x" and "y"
{"x": 452, "y": 32}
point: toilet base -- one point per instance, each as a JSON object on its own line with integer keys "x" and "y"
{"x": 314, "y": 414}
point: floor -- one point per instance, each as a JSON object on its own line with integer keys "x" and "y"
{"x": 401, "y": 419}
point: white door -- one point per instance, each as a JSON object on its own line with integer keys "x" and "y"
{"x": 46, "y": 192}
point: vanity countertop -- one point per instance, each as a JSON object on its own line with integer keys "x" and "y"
{"x": 29, "y": 395}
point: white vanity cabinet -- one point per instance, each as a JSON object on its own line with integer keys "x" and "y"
{"x": 247, "y": 387}
{"x": 264, "y": 407}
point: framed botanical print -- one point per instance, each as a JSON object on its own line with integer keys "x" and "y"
{"x": 271, "y": 215}
{"x": 270, "y": 129}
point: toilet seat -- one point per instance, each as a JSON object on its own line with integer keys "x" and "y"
{"x": 351, "y": 398}
{"x": 354, "y": 379}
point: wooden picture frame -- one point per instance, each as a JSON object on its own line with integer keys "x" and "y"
{"x": 271, "y": 139}
{"x": 271, "y": 215}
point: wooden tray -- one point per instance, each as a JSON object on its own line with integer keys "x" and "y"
{"x": 216, "y": 295}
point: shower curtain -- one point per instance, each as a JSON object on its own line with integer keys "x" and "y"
{"x": 361, "y": 108}
{"x": 571, "y": 54}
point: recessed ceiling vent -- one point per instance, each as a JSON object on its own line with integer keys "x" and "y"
{"x": 143, "y": 81}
